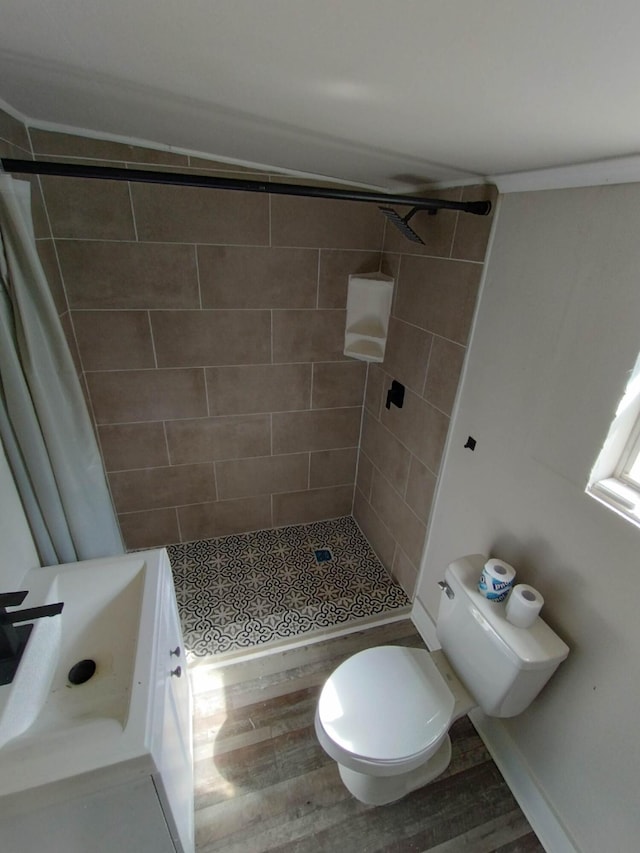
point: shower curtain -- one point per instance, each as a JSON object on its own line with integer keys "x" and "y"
{"x": 44, "y": 424}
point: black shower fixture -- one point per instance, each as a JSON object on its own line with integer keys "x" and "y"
{"x": 402, "y": 222}
{"x": 395, "y": 394}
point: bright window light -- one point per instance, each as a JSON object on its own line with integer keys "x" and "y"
{"x": 615, "y": 478}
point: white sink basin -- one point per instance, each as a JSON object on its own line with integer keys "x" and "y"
{"x": 110, "y": 617}
{"x": 99, "y": 622}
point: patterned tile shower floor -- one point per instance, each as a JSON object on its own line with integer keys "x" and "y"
{"x": 238, "y": 592}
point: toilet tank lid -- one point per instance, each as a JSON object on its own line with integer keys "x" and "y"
{"x": 537, "y": 647}
{"x": 386, "y": 703}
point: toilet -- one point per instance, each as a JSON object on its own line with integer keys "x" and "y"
{"x": 385, "y": 713}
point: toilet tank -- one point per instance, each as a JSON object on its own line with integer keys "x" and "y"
{"x": 503, "y": 667}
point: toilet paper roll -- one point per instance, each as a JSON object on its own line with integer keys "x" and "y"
{"x": 523, "y": 605}
{"x": 496, "y": 580}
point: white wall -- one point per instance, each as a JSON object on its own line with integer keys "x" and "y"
{"x": 17, "y": 551}
{"x": 557, "y": 330}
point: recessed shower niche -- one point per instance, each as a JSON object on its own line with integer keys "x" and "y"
{"x": 368, "y": 309}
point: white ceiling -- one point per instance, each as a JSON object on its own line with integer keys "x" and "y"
{"x": 388, "y": 93}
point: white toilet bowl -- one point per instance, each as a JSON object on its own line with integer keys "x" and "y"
{"x": 384, "y": 716}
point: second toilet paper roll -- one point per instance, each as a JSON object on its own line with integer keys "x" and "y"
{"x": 523, "y": 605}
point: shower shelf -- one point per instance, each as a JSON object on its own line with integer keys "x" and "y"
{"x": 366, "y": 350}
{"x": 369, "y": 327}
{"x": 368, "y": 308}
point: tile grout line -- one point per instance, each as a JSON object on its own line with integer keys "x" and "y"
{"x": 396, "y": 290}
{"x": 261, "y": 246}
{"x": 133, "y": 213}
{"x": 318, "y": 279}
{"x": 238, "y": 310}
{"x": 178, "y": 523}
{"x": 153, "y": 342}
{"x": 206, "y": 397}
{"x": 342, "y": 362}
{"x": 426, "y": 369}
{"x": 271, "y": 361}
{"x": 362, "y": 412}
{"x": 391, "y": 486}
{"x": 230, "y": 458}
{"x": 166, "y": 441}
{"x": 453, "y": 237}
{"x": 228, "y": 500}
{"x": 381, "y": 522}
{"x": 195, "y": 250}
{"x": 271, "y": 434}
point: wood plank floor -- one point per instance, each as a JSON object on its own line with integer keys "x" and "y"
{"x": 263, "y": 783}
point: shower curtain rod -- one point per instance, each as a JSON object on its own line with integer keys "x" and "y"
{"x": 111, "y": 173}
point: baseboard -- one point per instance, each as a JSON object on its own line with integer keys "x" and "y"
{"x": 509, "y": 760}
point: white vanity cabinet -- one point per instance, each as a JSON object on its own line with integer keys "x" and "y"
{"x": 104, "y": 785}
{"x": 127, "y": 818}
{"x": 173, "y": 739}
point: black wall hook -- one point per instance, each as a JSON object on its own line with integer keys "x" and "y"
{"x": 395, "y": 395}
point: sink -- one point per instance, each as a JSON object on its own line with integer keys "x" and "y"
{"x": 99, "y": 622}
{"x": 109, "y": 617}
{"x": 72, "y": 754}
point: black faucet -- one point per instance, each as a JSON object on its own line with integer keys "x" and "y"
{"x": 13, "y": 640}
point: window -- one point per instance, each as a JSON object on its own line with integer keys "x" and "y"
{"x": 615, "y": 478}
{"x": 629, "y": 467}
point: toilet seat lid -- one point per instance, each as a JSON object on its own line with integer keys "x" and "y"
{"x": 386, "y": 704}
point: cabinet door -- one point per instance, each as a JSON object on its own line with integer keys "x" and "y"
{"x": 175, "y": 781}
{"x": 124, "y": 819}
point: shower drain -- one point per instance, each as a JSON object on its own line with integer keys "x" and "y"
{"x": 322, "y": 555}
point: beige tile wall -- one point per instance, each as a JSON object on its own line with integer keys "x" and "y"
{"x": 209, "y": 327}
{"x": 14, "y": 139}
{"x": 401, "y": 449}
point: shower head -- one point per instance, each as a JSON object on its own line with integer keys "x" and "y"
{"x": 402, "y": 223}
